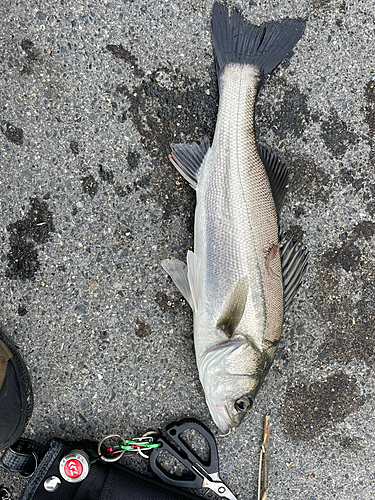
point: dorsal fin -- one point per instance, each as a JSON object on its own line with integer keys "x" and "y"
{"x": 277, "y": 171}
{"x": 187, "y": 159}
{"x": 234, "y": 308}
{"x": 294, "y": 260}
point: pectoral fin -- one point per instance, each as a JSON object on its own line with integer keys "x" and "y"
{"x": 234, "y": 308}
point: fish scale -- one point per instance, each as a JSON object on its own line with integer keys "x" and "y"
{"x": 236, "y": 220}
{"x": 234, "y": 279}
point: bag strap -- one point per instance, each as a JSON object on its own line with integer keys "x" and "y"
{"x": 23, "y": 456}
{"x": 104, "y": 481}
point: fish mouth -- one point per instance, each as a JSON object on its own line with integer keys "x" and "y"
{"x": 225, "y": 429}
{"x": 221, "y": 417}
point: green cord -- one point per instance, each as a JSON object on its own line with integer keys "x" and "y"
{"x": 130, "y": 444}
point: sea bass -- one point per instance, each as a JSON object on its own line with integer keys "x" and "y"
{"x": 239, "y": 279}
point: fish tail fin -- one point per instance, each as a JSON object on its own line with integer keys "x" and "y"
{"x": 237, "y": 41}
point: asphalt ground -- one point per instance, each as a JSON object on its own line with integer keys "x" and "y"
{"x": 91, "y": 95}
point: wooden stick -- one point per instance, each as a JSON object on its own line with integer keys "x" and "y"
{"x": 263, "y": 483}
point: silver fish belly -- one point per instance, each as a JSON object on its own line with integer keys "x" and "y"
{"x": 235, "y": 229}
{"x": 239, "y": 278}
{"x": 236, "y": 222}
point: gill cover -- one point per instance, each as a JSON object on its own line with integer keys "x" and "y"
{"x": 231, "y": 374}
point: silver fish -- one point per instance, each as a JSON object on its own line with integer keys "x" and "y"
{"x": 239, "y": 279}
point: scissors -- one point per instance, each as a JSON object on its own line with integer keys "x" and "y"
{"x": 202, "y": 473}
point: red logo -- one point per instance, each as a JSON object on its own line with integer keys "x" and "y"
{"x": 73, "y": 468}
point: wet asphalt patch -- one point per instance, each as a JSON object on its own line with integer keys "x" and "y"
{"x": 307, "y": 409}
{"x": 370, "y": 106}
{"x": 336, "y": 135}
{"x": 25, "y": 236}
{"x": 32, "y": 54}
{"x": 142, "y": 330}
{"x": 288, "y": 113}
{"x": 120, "y": 53}
{"x": 364, "y": 229}
{"x": 290, "y": 108}
{"x": 74, "y": 147}
{"x": 348, "y": 255}
{"x": 307, "y": 182}
{"x": 169, "y": 107}
{"x": 344, "y": 273}
{"x": 89, "y": 185}
{"x": 12, "y": 133}
{"x": 163, "y": 301}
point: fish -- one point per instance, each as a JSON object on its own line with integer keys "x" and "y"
{"x": 240, "y": 277}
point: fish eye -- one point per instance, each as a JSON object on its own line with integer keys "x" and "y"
{"x": 243, "y": 404}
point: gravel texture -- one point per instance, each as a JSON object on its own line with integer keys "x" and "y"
{"x": 91, "y": 95}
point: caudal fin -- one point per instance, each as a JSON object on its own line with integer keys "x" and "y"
{"x": 237, "y": 41}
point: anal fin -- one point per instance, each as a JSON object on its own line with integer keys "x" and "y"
{"x": 178, "y": 271}
{"x": 185, "y": 277}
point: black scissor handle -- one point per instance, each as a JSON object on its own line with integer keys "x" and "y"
{"x": 175, "y": 430}
{"x": 184, "y": 454}
{"x": 193, "y": 480}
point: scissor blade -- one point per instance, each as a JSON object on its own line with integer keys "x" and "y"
{"x": 213, "y": 482}
{"x": 219, "y": 488}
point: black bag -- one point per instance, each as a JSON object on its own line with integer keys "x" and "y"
{"x": 103, "y": 481}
